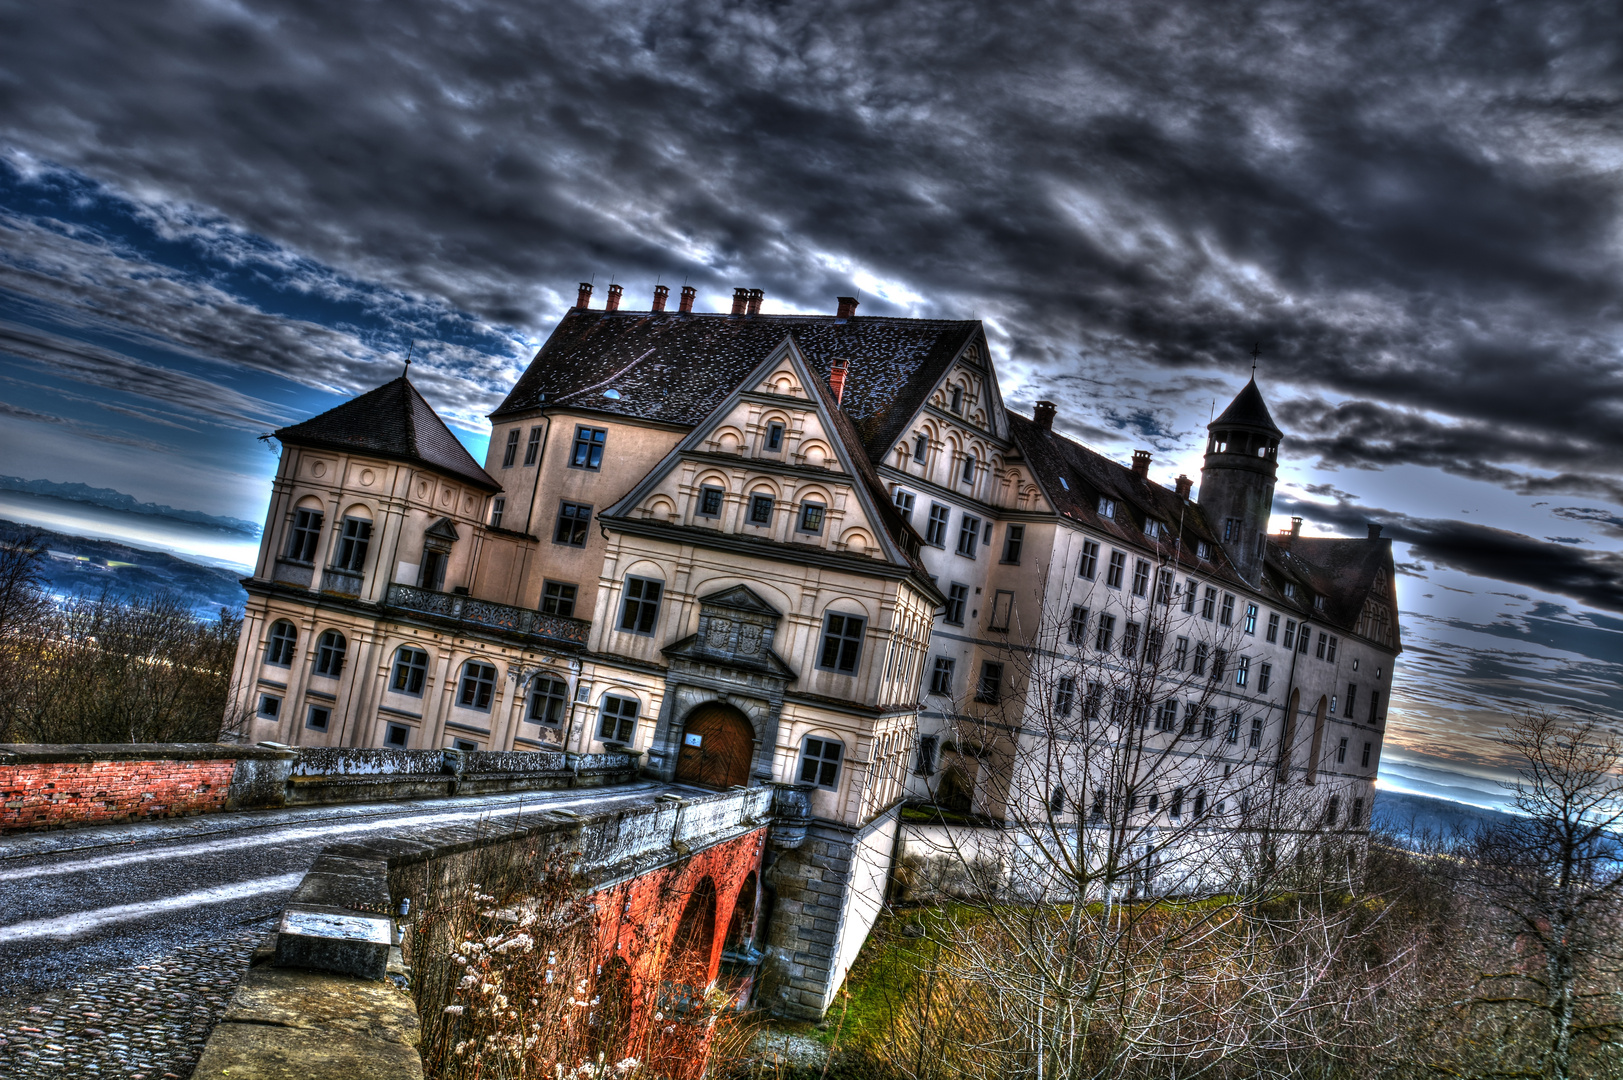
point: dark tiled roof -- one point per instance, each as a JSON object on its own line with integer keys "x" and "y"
{"x": 1339, "y": 569}
{"x": 1247, "y": 410}
{"x": 679, "y": 368}
{"x": 392, "y": 421}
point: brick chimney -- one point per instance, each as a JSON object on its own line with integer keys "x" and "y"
{"x": 1043, "y": 415}
{"x": 1374, "y": 530}
{"x": 847, "y": 308}
{"x": 685, "y": 304}
{"x": 1183, "y": 486}
{"x": 836, "y": 379}
{"x": 613, "y": 302}
{"x": 660, "y": 293}
{"x": 1141, "y": 463}
{"x": 753, "y": 303}
{"x": 741, "y": 300}
{"x": 584, "y": 300}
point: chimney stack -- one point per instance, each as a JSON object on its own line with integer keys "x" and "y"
{"x": 584, "y": 300}
{"x": 741, "y": 299}
{"x": 660, "y": 293}
{"x": 685, "y": 304}
{"x": 836, "y": 379}
{"x": 1374, "y": 530}
{"x": 1183, "y": 486}
{"x": 1043, "y": 415}
{"x": 847, "y": 308}
{"x": 1296, "y": 527}
{"x": 1141, "y": 463}
{"x": 613, "y": 302}
{"x": 753, "y": 304}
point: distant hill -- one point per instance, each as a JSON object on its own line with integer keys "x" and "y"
{"x": 117, "y": 500}
{"x": 1409, "y": 815}
{"x": 80, "y": 565}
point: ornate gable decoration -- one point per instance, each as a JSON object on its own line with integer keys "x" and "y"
{"x": 736, "y": 629}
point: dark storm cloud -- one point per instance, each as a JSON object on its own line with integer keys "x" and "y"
{"x": 1591, "y": 577}
{"x": 1410, "y": 204}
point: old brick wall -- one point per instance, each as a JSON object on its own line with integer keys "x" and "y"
{"x": 98, "y": 792}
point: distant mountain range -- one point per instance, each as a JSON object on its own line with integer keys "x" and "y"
{"x": 78, "y": 565}
{"x": 1419, "y": 816}
{"x": 117, "y": 500}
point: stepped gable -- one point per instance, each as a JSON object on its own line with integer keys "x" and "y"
{"x": 392, "y": 421}
{"x": 1340, "y": 569}
{"x": 678, "y": 368}
{"x": 1087, "y": 475}
{"x": 1248, "y": 410}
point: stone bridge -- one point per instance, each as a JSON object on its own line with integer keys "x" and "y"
{"x": 276, "y": 904}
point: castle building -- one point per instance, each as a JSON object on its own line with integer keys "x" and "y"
{"x": 790, "y": 549}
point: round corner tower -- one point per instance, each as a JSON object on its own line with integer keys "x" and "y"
{"x": 1237, "y": 478}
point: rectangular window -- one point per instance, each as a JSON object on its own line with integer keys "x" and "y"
{"x": 318, "y": 717}
{"x": 957, "y": 596}
{"x": 924, "y": 763}
{"x": 548, "y": 699}
{"x": 941, "y": 675}
{"x": 1242, "y": 671}
{"x": 1251, "y": 618}
{"x": 1374, "y": 706}
{"x": 1014, "y": 538}
{"x": 1089, "y": 563}
{"x": 410, "y": 672}
{"x": 1233, "y": 735}
{"x": 467, "y": 746}
{"x": 330, "y": 650}
{"x": 1064, "y": 696}
{"x": 904, "y": 504}
{"x": 397, "y": 736}
{"x": 1180, "y": 654}
{"x": 1152, "y": 644}
{"x": 935, "y": 533}
{"x": 710, "y": 501}
{"x": 1256, "y": 733}
{"x": 1129, "y": 640}
{"x": 588, "y": 452}
{"x": 510, "y": 451}
{"x": 478, "y": 685}
{"x": 270, "y": 706}
{"x": 1220, "y": 659}
{"x": 1357, "y": 817}
{"x": 1191, "y": 587}
{"x": 1367, "y": 748}
{"x": 302, "y": 540}
{"x": 1341, "y": 752}
{"x": 968, "y": 475}
{"x": 1323, "y": 641}
{"x": 1208, "y": 722}
{"x": 921, "y": 447}
{"x": 761, "y": 509}
{"x": 811, "y": 517}
{"x": 498, "y": 506}
{"x": 1076, "y": 631}
{"x": 1163, "y": 587}
{"x": 1226, "y": 616}
{"x": 955, "y": 400}
{"x": 842, "y": 643}
{"x": 1191, "y": 713}
{"x": 1106, "y": 634}
{"x": 969, "y": 533}
{"x": 1332, "y": 811}
{"x": 1290, "y": 635}
{"x": 1113, "y": 574}
{"x": 558, "y": 598}
{"x": 1332, "y": 655}
{"x": 990, "y": 688}
{"x": 1002, "y": 610}
{"x": 1141, "y": 577}
{"x": 1166, "y": 717}
{"x": 617, "y": 719}
{"x": 639, "y": 611}
{"x": 1208, "y": 605}
{"x": 1177, "y": 802}
{"x": 1231, "y": 529}
{"x": 1094, "y": 700}
{"x": 1107, "y": 508}
{"x": 1304, "y": 639}
{"x": 573, "y": 519}
{"x": 1265, "y": 676}
{"x": 1352, "y": 693}
{"x": 1202, "y": 651}
{"x": 774, "y": 437}
{"x": 1272, "y": 633}
{"x": 820, "y": 762}
{"x": 357, "y": 537}
{"x": 532, "y": 449}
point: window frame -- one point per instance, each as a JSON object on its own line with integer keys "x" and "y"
{"x": 277, "y": 644}
{"x": 759, "y": 499}
{"x": 1104, "y": 633}
{"x": 390, "y": 728}
{"x": 311, "y": 708}
{"x": 634, "y": 610}
{"x": 1141, "y": 577}
{"x": 1076, "y": 630}
{"x": 705, "y": 491}
{"x": 774, "y": 436}
{"x": 935, "y": 533}
{"x": 904, "y": 501}
{"x": 577, "y": 517}
{"x": 532, "y": 449}
{"x": 1116, "y": 569}
{"x": 824, "y": 768}
{"x": 408, "y": 670}
{"x": 304, "y": 536}
{"x": 354, "y": 545}
{"x": 275, "y": 710}
{"x": 476, "y": 685}
{"x": 593, "y": 440}
{"x": 510, "y": 451}
{"x": 967, "y": 474}
{"x": 809, "y": 509}
{"x": 941, "y": 674}
{"x": 969, "y": 536}
{"x": 921, "y": 448}
{"x": 610, "y": 725}
{"x": 957, "y": 603}
{"x": 846, "y": 641}
{"x": 1088, "y": 565}
{"x": 552, "y": 593}
{"x": 1014, "y": 540}
{"x": 989, "y": 686}
{"x": 552, "y": 694}
{"x": 1271, "y": 634}
{"x": 329, "y": 659}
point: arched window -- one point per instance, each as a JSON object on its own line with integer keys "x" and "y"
{"x": 410, "y": 671}
{"x": 330, "y": 649}
{"x": 478, "y": 685}
{"x": 281, "y": 644}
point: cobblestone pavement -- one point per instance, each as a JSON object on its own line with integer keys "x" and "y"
{"x": 146, "y": 1020}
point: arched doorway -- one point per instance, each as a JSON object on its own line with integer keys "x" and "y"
{"x": 718, "y": 744}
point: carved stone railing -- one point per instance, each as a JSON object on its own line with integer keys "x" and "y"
{"x": 486, "y": 614}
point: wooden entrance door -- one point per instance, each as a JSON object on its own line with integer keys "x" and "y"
{"x": 717, "y": 745}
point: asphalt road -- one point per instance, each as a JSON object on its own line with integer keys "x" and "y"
{"x": 76, "y": 903}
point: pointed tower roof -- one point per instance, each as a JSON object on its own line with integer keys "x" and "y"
{"x": 392, "y": 421}
{"x": 1248, "y": 410}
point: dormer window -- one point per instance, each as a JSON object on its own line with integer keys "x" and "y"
{"x": 955, "y": 399}
{"x": 1203, "y": 550}
{"x": 1107, "y": 508}
{"x": 1318, "y": 603}
{"x": 774, "y": 436}
{"x": 1154, "y": 529}
{"x": 1290, "y": 590}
